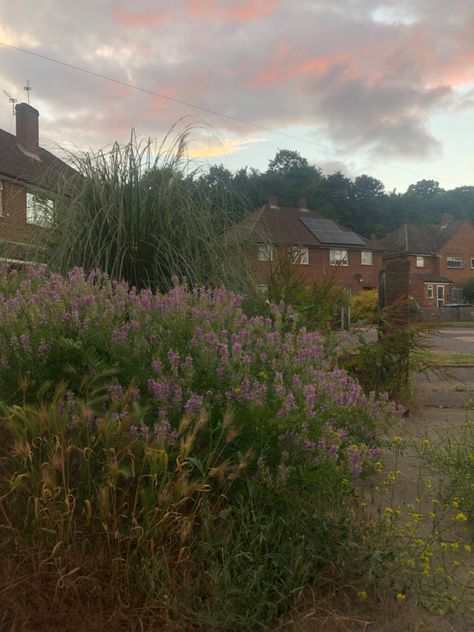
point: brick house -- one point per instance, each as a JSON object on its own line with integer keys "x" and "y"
{"x": 28, "y": 174}
{"x": 316, "y": 244}
{"x": 441, "y": 258}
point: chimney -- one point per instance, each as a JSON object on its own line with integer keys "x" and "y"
{"x": 446, "y": 218}
{"x": 27, "y": 128}
{"x": 303, "y": 204}
{"x": 273, "y": 201}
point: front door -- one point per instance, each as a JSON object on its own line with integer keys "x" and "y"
{"x": 440, "y": 295}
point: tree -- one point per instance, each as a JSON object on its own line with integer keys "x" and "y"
{"x": 468, "y": 290}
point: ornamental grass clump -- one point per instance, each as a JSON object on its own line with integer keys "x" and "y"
{"x": 172, "y": 450}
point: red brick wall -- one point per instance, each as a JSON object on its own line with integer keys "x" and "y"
{"x": 431, "y": 264}
{"x": 319, "y": 265}
{"x": 461, "y": 244}
{"x": 13, "y": 226}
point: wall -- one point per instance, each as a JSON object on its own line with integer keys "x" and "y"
{"x": 319, "y": 266}
{"x": 461, "y": 244}
{"x": 13, "y": 226}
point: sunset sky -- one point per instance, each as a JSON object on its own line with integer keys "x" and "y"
{"x": 366, "y": 86}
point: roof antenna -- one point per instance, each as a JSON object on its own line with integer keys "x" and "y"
{"x": 12, "y": 101}
{"x": 27, "y": 89}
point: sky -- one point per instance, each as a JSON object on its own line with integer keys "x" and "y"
{"x": 384, "y": 87}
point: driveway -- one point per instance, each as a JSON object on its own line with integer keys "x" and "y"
{"x": 454, "y": 339}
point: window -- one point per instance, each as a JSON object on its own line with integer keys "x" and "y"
{"x": 1, "y": 198}
{"x": 472, "y": 262}
{"x": 338, "y": 257}
{"x": 429, "y": 291}
{"x": 299, "y": 255}
{"x": 454, "y": 262}
{"x": 456, "y": 294}
{"x": 420, "y": 262}
{"x": 39, "y": 209}
{"x": 367, "y": 258}
{"x": 265, "y": 252}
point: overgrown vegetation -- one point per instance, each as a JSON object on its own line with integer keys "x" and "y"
{"x": 136, "y": 213}
{"x": 168, "y": 458}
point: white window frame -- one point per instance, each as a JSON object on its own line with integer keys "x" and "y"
{"x": 338, "y": 257}
{"x": 472, "y": 263}
{"x": 364, "y": 255}
{"x": 420, "y": 261}
{"x": 429, "y": 291}
{"x": 265, "y": 252}
{"x": 39, "y": 208}
{"x": 454, "y": 259}
{"x": 299, "y": 255}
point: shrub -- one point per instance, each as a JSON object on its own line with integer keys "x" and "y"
{"x": 136, "y": 213}
{"x": 468, "y": 290}
{"x": 365, "y": 305}
{"x": 195, "y": 452}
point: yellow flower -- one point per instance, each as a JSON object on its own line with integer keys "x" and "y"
{"x": 401, "y": 596}
{"x": 460, "y": 517}
{"x": 454, "y": 547}
{"x": 426, "y": 443}
{"x": 468, "y": 548}
{"x": 455, "y": 504}
{"x": 362, "y": 595}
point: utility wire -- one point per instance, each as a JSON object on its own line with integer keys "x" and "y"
{"x": 201, "y": 108}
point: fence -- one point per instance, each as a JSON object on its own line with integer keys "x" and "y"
{"x": 445, "y": 313}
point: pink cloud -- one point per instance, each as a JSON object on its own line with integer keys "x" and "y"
{"x": 139, "y": 19}
{"x": 240, "y": 11}
{"x": 286, "y": 65}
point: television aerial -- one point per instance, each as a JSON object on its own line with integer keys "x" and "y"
{"x": 12, "y": 101}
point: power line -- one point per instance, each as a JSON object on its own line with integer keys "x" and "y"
{"x": 201, "y": 108}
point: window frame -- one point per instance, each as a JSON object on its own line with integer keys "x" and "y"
{"x": 472, "y": 263}
{"x": 302, "y": 252}
{"x": 36, "y": 201}
{"x": 430, "y": 291}
{"x": 366, "y": 252}
{"x": 334, "y": 260}
{"x": 265, "y": 252}
{"x": 451, "y": 259}
{"x": 420, "y": 261}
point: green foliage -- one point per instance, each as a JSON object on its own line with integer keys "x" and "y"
{"x": 136, "y": 213}
{"x": 318, "y": 301}
{"x": 468, "y": 290}
{"x": 365, "y": 306}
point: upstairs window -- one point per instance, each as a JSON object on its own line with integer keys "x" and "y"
{"x": 39, "y": 209}
{"x": 339, "y": 257}
{"x": 265, "y": 252}
{"x": 299, "y": 255}
{"x": 420, "y": 262}
{"x": 454, "y": 262}
{"x": 366, "y": 258}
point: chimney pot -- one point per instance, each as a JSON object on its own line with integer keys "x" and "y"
{"x": 27, "y": 127}
{"x": 273, "y": 201}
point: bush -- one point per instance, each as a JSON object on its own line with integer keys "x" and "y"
{"x": 189, "y": 458}
{"x": 468, "y": 290}
{"x": 365, "y": 306}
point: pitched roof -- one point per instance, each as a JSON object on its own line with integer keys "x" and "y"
{"x": 284, "y": 225}
{"x": 18, "y": 164}
{"x": 416, "y": 239}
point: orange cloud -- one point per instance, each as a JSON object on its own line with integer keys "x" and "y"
{"x": 285, "y": 65}
{"x": 242, "y": 11}
{"x": 139, "y": 19}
